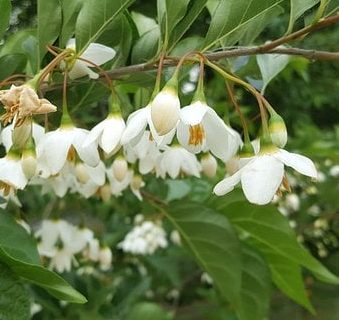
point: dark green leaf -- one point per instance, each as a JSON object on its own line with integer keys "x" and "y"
{"x": 193, "y": 12}
{"x": 6, "y": 7}
{"x": 49, "y": 24}
{"x": 214, "y": 244}
{"x": 229, "y": 16}
{"x": 70, "y": 10}
{"x": 148, "y": 311}
{"x": 255, "y": 286}
{"x": 14, "y": 299}
{"x": 11, "y": 64}
{"x": 298, "y": 8}
{"x": 94, "y": 17}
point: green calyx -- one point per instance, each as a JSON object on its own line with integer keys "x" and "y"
{"x": 247, "y": 150}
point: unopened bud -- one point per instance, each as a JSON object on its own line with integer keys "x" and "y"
{"x": 209, "y": 165}
{"x": 278, "y": 131}
{"x": 165, "y": 109}
{"x": 29, "y": 164}
{"x": 105, "y": 193}
{"x": 81, "y": 173}
{"x": 120, "y": 168}
{"x": 21, "y": 134}
{"x": 105, "y": 258}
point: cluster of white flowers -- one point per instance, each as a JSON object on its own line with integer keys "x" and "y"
{"x": 161, "y": 138}
{"x": 61, "y": 242}
{"x": 145, "y": 238}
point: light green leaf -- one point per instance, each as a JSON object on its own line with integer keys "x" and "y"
{"x": 214, "y": 244}
{"x": 18, "y": 251}
{"x": 143, "y": 23}
{"x": 298, "y": 8}
{"x": 255, "y": 286}
{"x": 272, "y": 234}
{"x": 193, "y": 11}
{"x": 229, "y": 16}
{"x": 177, "y": 189}
{"x": 146, "y": 46}
{"x": 6, "y": 8}
{"x": 94, "y": 17}
{"x": 14, "y": 299}
{"x": 270, "y": 66}
{"x": 49, "y": 24}
{"x": 170, "y": 12}
{"x": 70, "y": 10}
{"x": 148, "y": 311}
{"x": 287, "y": 277}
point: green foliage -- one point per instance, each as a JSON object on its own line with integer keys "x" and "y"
{"x": 5, "y": 6}
{"x": 18, "y": 251}
{"x": 298, "y": 8}
{"x": 14, "y": 301}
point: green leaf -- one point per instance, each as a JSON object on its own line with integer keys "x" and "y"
{"x": 18, "y": 252}
{"x": 146, "y": 46}
{"x": 14, "y": 299}
{"x": 272, "y": 234}
{"x": 143, "y": 23}
{"x": 170, "y": 12}
{"x": 214, "y": 244}
{"x": 270, "y": 66}
{"x": 193, "y": 12}
{"x": 148, "y": 311}
{"x": 11, "y": 64}
{"x": 229, "y": 16}
{"x": 6, "y": 8}
{"x": 49, "y": 24}
{"x": 94, "y": 17}
{"x": 255, "y": 286}
{"x": 298, "y": 8}
{"x": 70, "y": 10}
{"x": 287, "y": 277}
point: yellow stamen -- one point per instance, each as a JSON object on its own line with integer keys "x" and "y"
{"x": 197, "y": 135}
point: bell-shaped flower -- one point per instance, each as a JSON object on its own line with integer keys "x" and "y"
{"x": 22, "y": 102}
{"x": 136, "y": 184}
{"x": 107, "y": 133}
{"x": 64, "y": 144}
{"x": 96, "y": 53}
{"x": 209, "y": 165}
{"x": 263, "y": 174}
{"x": 201, "y": 129}
{"x": 105, "y": 258}
{"x": 175, "y": 161}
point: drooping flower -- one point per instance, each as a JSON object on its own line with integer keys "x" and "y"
{"x": 22, "y": 102}
{"x": 263, "y": 174}
{"x": 176, "y": 160}
{"x": 209, "y": 165}
{"x": 201, "y": 129}
{"x": 96, "y": 53}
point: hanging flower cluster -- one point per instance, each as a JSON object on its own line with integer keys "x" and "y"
{"x": 64, "y": 244}
{"x": 162, "y": 138}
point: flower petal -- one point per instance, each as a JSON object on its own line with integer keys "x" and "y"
{"x": 261, "y": 178}
{"x": 226, "y": 185}
{"x": 194, "y": 113}
{"x": 298, "y": 162}
{"x": 98, "y": 54}
{"x": 111, "y": 135}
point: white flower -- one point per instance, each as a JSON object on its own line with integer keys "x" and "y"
{"x": 105, "y": 258}
{"x": 201, "y": 129}
{"x": 62, "y": 260}
{"x": 165, "y": 109}
{"x": 11, "y": 174}
{"x": 263, "y": 174}
{"x": 63, "y": 144}
{"x": 107, "y": 133}
{"x": 144, "y": 239}
{"x": 136, "y": 184}
{"x": 117, "y": 186}
{"x": 334, "y": 171}
{"x": 96, "y": 53}
{"x": 209, "y": 165}
{"x": 292, "y": 202}
{"x": 175, "y": 160}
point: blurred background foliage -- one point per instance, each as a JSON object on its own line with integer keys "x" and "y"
{"x": 306, "y": 94}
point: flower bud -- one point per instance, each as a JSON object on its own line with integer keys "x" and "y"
{"x": 278, "y": 131}
{"x": 209, "y": 165}
{"x": 105, "y": 258}
{"x": 120, "y": 168}
{"x": 165, "y": 109}
{"x": 81, "y": 173}
{"x": 21, "y": 134}
{"x": 105, "y": 193}
{"x": 29, "y": 164}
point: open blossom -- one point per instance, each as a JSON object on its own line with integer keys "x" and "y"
{"x": 107, "y": 133}
{"x": 96, "y": 53}
{"x": 177, "y": 160}
{"x": 262, "y": 175}
{"x": 64, "y": 144}
{"x": 201, "y": 129}
{"x": 22, "y": 102}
